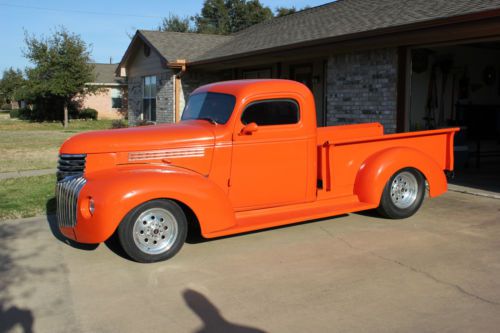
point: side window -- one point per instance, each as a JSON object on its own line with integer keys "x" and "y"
{"x": 272, "y": 112}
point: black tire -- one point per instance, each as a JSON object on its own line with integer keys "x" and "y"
{"x": 403, "y": 194}
{"x": 153, "y": 231}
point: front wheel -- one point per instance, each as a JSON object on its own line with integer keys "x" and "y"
{"x": 153, "y": 231}
{"x": 403, "y": 194}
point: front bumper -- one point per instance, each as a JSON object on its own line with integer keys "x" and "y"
{"x": 74, "y": 218}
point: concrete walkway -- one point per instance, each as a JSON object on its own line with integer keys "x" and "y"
{"x": 27, "y": 173}
{"x": 434, "y": 272}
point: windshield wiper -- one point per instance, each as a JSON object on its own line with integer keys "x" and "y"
{"x": 209, "y": 120}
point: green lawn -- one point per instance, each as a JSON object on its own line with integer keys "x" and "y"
{"x": 27, "y": 196}
{"x": 31, "y": 146}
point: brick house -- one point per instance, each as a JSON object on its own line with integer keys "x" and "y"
{"x": 110, "y": 101}
{"x": 363, "y": 60}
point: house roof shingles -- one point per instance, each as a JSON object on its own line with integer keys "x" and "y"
{"x": 181, "y": 45}
{"x": 335, "y": 19}
{"x": 105, "y": 73}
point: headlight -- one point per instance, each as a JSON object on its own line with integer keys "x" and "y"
{"x": 91, "y": 206}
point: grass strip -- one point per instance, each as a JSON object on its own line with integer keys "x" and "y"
{"x": 27, "y": 196}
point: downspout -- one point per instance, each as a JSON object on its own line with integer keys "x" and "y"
{"x": 181, "y": 66}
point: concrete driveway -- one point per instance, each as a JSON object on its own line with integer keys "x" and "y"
{"x": 437, "y": 271}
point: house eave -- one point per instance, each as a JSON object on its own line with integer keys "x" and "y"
{"x": 105, "y": 84}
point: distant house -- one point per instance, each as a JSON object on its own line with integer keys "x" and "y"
{"x": 110, "y": 101}
{"x": 407, "y": 64}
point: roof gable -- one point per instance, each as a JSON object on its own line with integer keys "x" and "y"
{"x": 183, "y": 45}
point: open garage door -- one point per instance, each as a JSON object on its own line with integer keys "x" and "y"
{"x": 459, "y": 85}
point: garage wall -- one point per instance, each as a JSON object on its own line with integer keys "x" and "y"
{"x": 362, "y": 87}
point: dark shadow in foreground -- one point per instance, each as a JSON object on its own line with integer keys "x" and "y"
{"x": 213, "y": 321}
{"x": 13, "y": 316}
{"x": 54, "y": 228}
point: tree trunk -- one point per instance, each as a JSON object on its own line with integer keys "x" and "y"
{"x": 65, "y": 115}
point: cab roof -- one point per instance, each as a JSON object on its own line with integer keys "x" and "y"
{"x": 243, "y": 88}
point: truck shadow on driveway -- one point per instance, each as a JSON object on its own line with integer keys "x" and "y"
{"x": 212, "y": 319}
{"x": 195, "y": 237}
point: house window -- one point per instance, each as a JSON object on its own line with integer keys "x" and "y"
{"x": 116, "y": 98}
{"x": 149, "y": 98}
{"x": 271, "y": 112}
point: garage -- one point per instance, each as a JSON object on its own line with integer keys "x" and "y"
{"x": 459, "y": 85}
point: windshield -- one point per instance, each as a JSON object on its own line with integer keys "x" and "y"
{"x": 209, "y": 106}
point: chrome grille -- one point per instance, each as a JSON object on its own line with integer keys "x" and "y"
{"x": 67, "y": 192}
{"x": 70, "y": 165}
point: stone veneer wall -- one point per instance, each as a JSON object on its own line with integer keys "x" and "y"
{"x": 165, "y": 93}
{"x": 164, "y": 98}
{"x": 194, "y": 79}
{"x": 362, "y": 87}
{"x": 134, "y": 99}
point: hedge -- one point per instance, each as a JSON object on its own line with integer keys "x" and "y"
{"x": 88, "y": 113}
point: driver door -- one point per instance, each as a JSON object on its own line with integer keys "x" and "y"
{"x": 269, "y": 162}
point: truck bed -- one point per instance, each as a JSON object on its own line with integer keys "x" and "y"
{"x": 343, "y": 149}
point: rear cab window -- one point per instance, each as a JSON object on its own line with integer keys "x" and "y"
{"x": 272, "y": 112}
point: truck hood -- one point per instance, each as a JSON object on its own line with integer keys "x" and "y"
{"x": 185, "y": 134}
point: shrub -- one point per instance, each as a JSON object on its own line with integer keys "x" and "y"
{"x": 144, "y": 123}
{"x": 14, "y": 113}
{"x": 6, "y": 106}
{"x": 118, "y": 124}
{"x": 88, "y": 113}
{"x": 27, "y": 114}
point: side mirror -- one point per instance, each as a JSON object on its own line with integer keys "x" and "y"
{"x": 249, "y": 129}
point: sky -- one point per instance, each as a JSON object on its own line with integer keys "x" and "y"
{"x": 104, "y": 25}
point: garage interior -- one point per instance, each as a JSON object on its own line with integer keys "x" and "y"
{"x": 459, "y": 85}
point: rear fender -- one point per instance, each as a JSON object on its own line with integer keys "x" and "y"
{"x": 378, "y": 168}
{"x": 118, "y": 191}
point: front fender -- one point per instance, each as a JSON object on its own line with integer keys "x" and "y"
{"x": 378, "y": 168}
{"x": 116, "y": 192}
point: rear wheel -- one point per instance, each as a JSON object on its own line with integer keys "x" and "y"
{"x": 403, "y": 194}
{"x": 153, "y": 231}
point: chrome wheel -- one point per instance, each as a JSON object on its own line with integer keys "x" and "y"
{"x": 155, "y": 231}
{"x": 404, "y": 190}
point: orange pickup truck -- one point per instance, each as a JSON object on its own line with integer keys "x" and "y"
{"x": 246, "y": 155}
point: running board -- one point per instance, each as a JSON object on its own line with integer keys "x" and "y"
{"x": 283, "y": 215}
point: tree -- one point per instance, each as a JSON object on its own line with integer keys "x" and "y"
{"x": 175, "y": 23}
{"x": 256, "y": 13}
{"x": 11, "y": 85}
{"x": 61, "y": 68}
{"x": 229, "y": 16}
{"x": 214, "y": 18}
{"x": 283, "y": 11}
